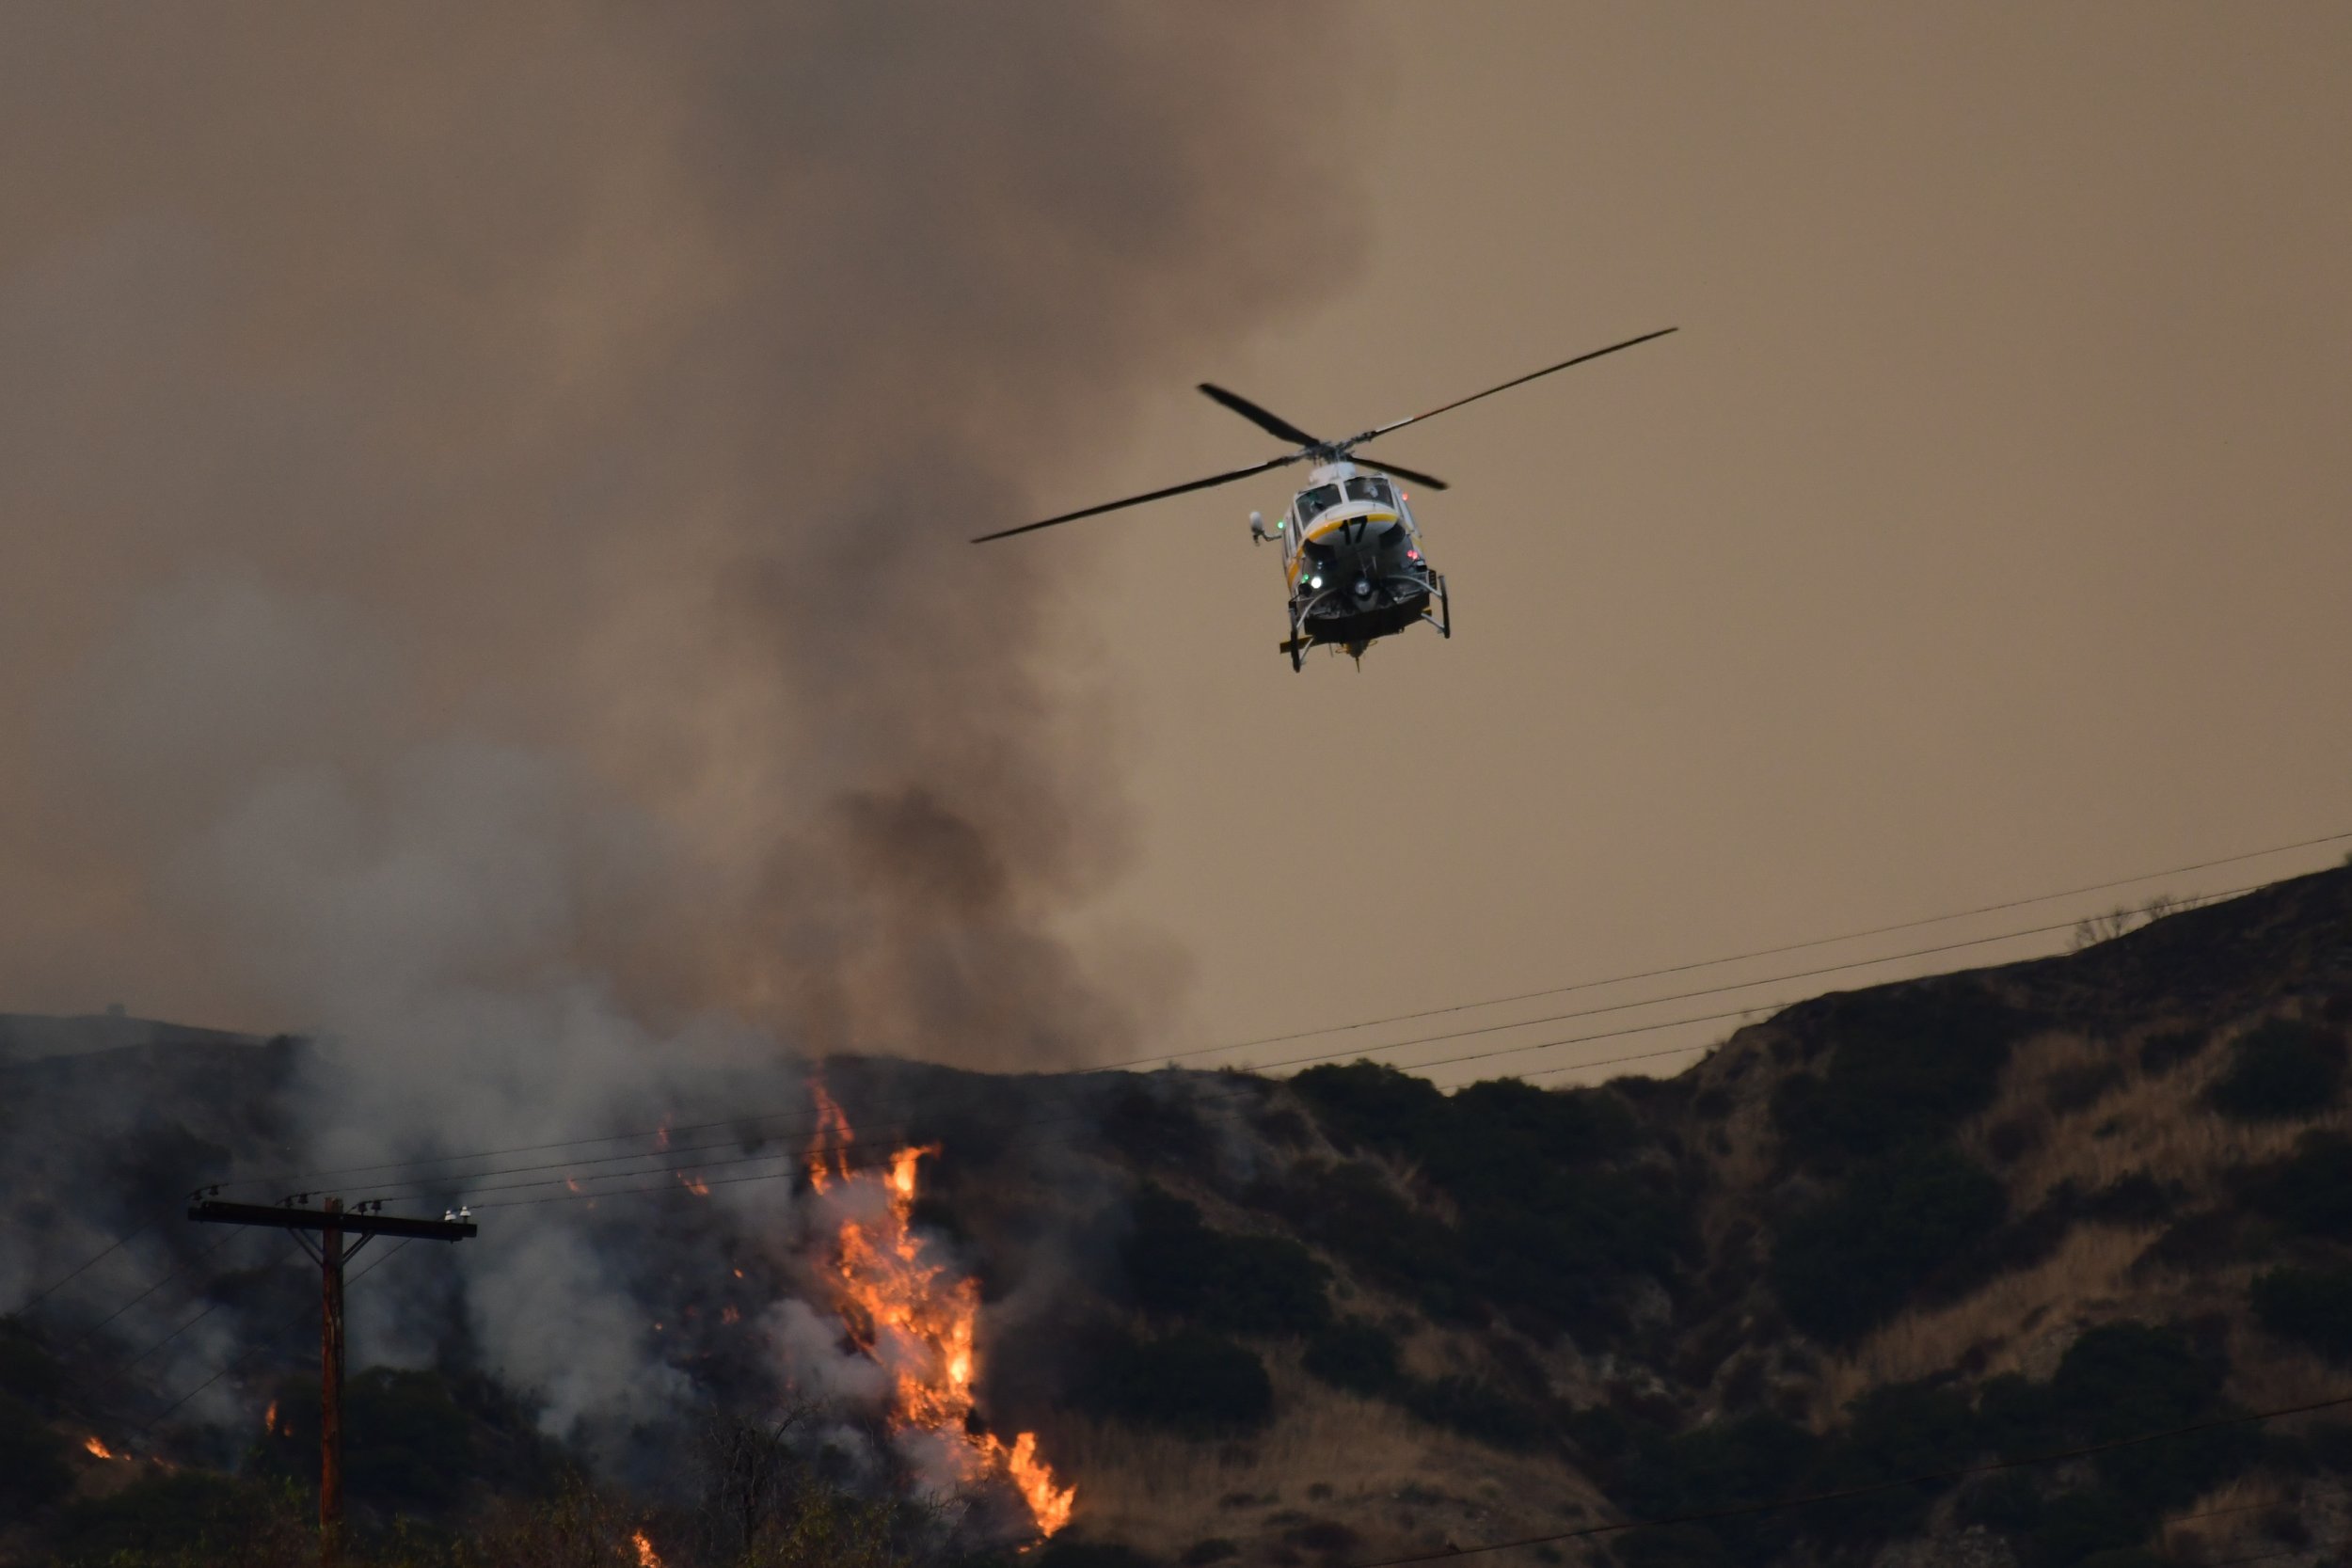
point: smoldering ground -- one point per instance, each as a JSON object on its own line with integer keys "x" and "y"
{"x": 482, "y": 494}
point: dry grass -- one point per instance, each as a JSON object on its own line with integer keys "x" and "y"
{"x": 1331, "y": 1456}
{"x": 2228, "y": 1520}
{"x": 2004, "y": 1325}
{"x": 2154, "y": 1125}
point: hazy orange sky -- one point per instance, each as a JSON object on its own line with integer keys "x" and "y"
{"x": 1986, "y": 531}
{"x": 483, "y": 497}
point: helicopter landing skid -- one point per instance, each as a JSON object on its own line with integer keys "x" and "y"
{"x": 1444, "y": 619}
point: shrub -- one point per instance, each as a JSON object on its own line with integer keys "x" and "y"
{"x": 33, "y": 1467}
{"x": 2127, "y": 1379}
{"x": 1547, "y": 1227}
{"x": 1355, "y": 1355}
{"x": 1065, "y": 1553}
{"x": 2009, "y": 1504}
{"x": 205, "y": 1516}
{"x": 1846, "y": 1263}
{"x": 2313, "y": 1307}
{"x": 2312, "y": 1190}
{"x": 2280, "y": 1069}
{"x": 1675, "y": 1547}
{"x": 1260, "y": 1285}
{"x": 1476, "y": 1411}
{"x": 2161, "y": 1052}
{"x": 1352, "y": 1210}
{"x": 1191, "y": 1383}
{"x": 26, "y": 1369}
{"x": 2075, "y": 1524}
{"x": 1891, "y": 1433}
{"x": 1908, "y": 1067}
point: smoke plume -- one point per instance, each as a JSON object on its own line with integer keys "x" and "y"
{"x": 483, "y": 493}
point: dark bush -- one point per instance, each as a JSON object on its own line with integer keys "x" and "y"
{"x": 1065, "y": 1553}
{"x": 2312, "y": 1306}
{"x": 1675, "y": 1547}
{"x": 2127, "y": 1380}
{"x": 2125, "y": 1557}
{"x": 1355, "y": 1355}
{"x": 2161, "y": 1052}
{"x": 414, "y": 1440}
{"x": 33, "y": 1467}
{"x": 1848, "y": 1262}
{"x": 208, "y": 1518}
{"x": 2280, "y": 1069}
{"x": 1327, "y": 1536}
{"x": 1476, "y": 1411}
{"x": 1191, "y": 1383}
{"x": 1908, "y": 1066}
{"x": 1153, "y": 1128}
{"x": 1352, "y": 1210}
{"x": 1891, "y": 1433}
{"x": 26, "y": 1369}
{"x": 2123, "y": 1379}
{"x": 2009, "y": 1504}
{"x": 2078, "y": 1088}
{"x": 1548, "y": 1227}
{"x": 1215, "y": 1550}
{"x": 1177, "y": 1267}
{"x": 2075, "y": 1524}
{"x": 1369, "y": 1103}
{"x": 1722, "y": 1465}
{"x": 2017, "y": 1418}
{"x": 2328, "y": 1447}
{"x": 2312, "y": 1190}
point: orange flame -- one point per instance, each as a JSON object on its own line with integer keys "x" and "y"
{"x": 269, "y": 1419}
{"x": 94, "y": 1445}
{"x": 646, "y": 1556}
{"x": 693, "y": 1184}
{"x": 901, "y": 1307}
{"x": 830, "y": 1124}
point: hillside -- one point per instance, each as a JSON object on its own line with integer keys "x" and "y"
{"x": 1894, "y": 1232}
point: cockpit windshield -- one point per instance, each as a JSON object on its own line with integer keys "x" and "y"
{"x": 1322, "y": 499}
{"x": 1370, "y": 487}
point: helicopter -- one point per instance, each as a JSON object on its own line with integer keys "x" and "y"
{"x": 1351, "y": 552}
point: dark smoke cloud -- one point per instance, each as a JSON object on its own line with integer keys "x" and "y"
{"x": 483, "y": 492}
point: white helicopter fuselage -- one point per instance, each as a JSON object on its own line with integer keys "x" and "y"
{"x": 1352, "y": 559}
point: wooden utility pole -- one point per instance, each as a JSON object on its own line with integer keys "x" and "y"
{"x": 332, "y": 1221}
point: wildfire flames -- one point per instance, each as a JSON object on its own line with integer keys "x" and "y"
{"x": 918, "y": 1322}
{"x": 95, "y": 1447}
{"x": 646, "y": 1556}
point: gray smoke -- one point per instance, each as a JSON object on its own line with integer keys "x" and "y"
{"x": 482, "y": 492}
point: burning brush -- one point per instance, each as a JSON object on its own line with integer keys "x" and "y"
{"x": 914, "y": 1316}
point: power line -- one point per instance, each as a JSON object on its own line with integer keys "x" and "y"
{"x": 213, "y": 1307}
{"x": 738, "y": 1125}
{"x": 241, "y": 1362}
{"x": 1689, "y": 995}
{"x": 50, "y": 1290}
{"x": 91, "y": 1332}
{"x": 1761, "y": 952}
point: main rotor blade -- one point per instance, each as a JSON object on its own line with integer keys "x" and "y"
{"x": 1362, "y": 461}
{"x": 1148, "y": 496}
{"x": 1273, "y": 424}
{"x": 1445, "y": 407}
